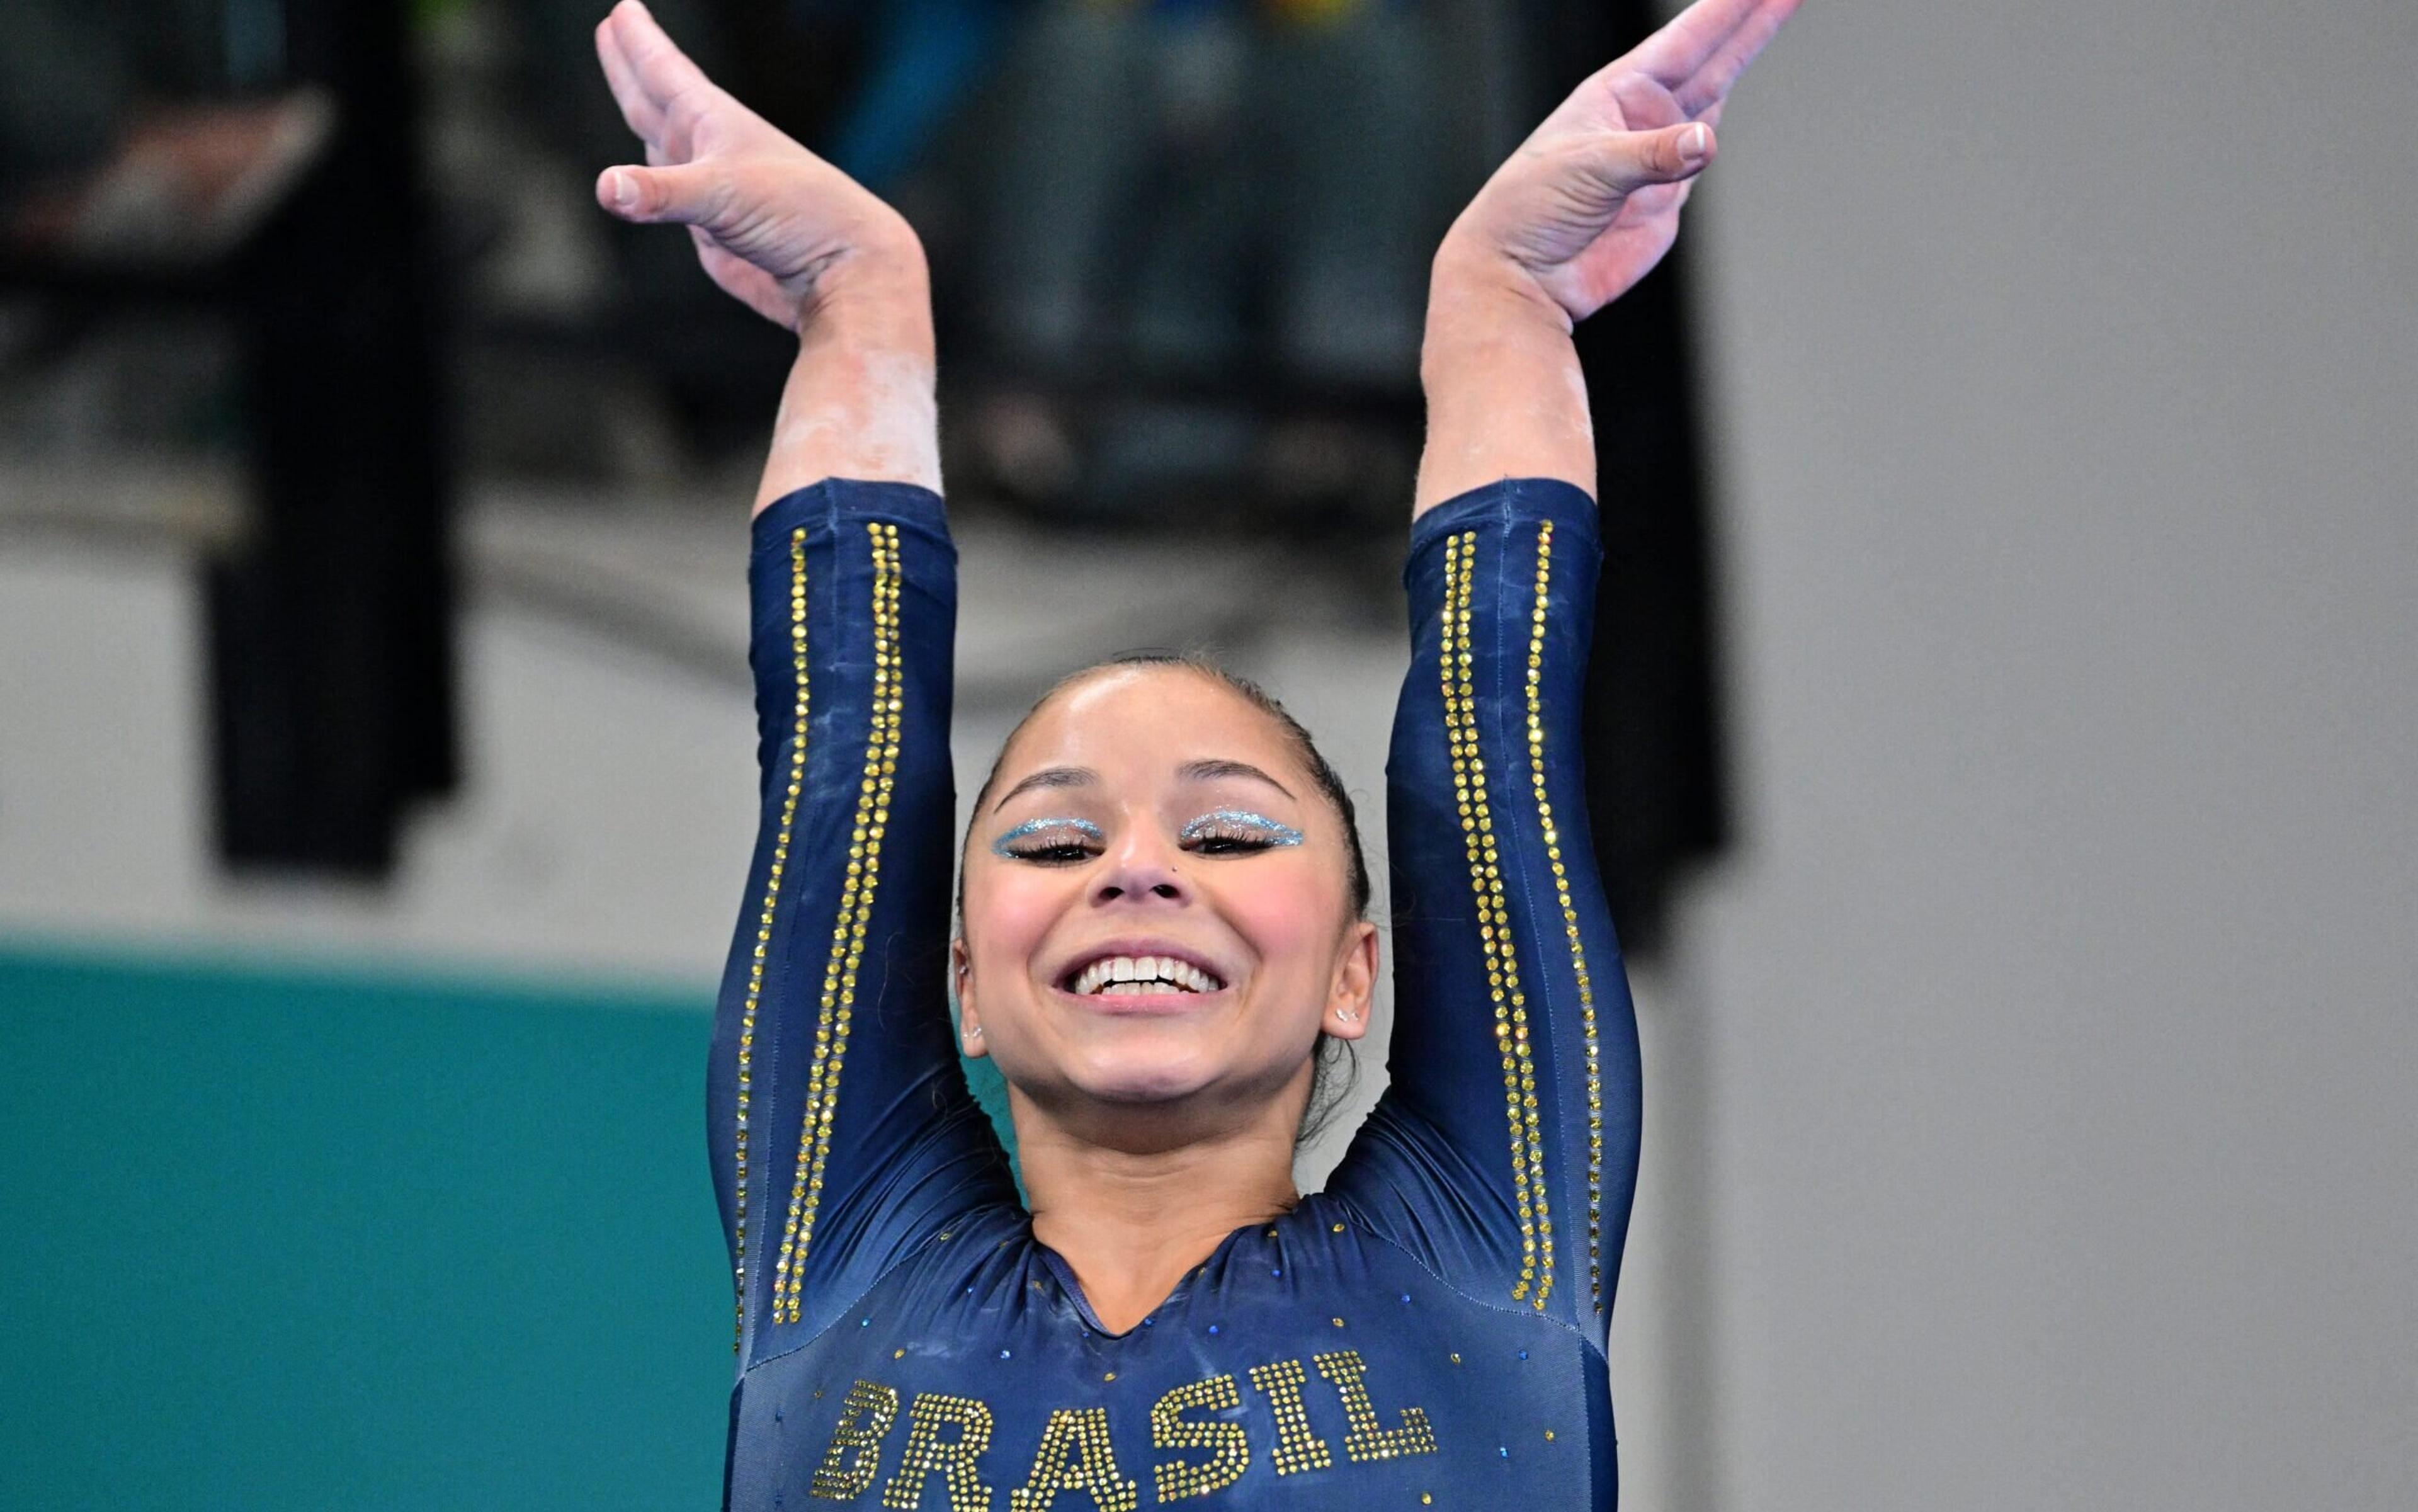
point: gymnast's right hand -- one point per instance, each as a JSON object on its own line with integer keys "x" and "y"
{"x": 774, "y": 225}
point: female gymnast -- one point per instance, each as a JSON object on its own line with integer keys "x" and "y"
{"x": 1163, "y": 919}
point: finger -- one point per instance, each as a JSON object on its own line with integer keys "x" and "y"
{"x": 661, "y": 69}
{"x": 1693, "y": 37}
{"x": 683, "y": 194}
{"x": 642, "y": 116}
{"x": 1627, "y": 161}
{"x": 1711, "y": 83}
{"x": 1644, "y": 105}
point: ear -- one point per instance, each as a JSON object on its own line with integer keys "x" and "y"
{"x": 961, "y": 980}
{"x": 1356, "y": 983}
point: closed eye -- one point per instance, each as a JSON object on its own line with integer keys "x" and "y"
{"x": 1049, "y": 842}
{"x": 1225, "y": 845}
{"x": 1227, "y": 832}
{"x": 1053, "y": 855}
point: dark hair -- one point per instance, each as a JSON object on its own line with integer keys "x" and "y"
{"x": 1328, "y": 1088}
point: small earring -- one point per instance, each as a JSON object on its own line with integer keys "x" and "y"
{"x": 974, "y": 1032}
{"x": 1346, "y": 1015}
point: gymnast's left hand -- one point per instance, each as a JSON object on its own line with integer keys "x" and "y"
{"x": 1590, "y": 203}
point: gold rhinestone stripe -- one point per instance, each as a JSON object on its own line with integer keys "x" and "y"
{"x": 1535, "y": 1280}
{"x": 764, "y": 917}
{"x": 863, "y": 874}
{"x": 1570, "y": 915}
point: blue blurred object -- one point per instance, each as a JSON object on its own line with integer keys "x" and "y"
{"x": 926, "y": 54}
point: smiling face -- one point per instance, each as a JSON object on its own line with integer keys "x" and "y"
{"x": 1157, "y": 908}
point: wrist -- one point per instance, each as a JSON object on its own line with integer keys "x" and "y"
{"x": 874, "y": 297}
{"x": 1505, "y": 397}
{"x": 1469, "y": 277}
{"x": 859, "y": 399}
{"x": 1483, "y": 307}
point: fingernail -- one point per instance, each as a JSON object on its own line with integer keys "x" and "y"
{"x": 1693, "y": 142}
{"x": 625, "y": 190}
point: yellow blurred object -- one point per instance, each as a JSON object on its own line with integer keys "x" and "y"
{"x": 1313, "y": 12}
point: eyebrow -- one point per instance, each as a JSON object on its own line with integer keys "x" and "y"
{"x": 1208, "y": 769}
{"x": 1048, "y": 777}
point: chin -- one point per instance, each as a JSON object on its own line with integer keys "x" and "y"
{"x": 1141, "y": 1073}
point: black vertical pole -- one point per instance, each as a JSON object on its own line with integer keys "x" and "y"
{"x": 331, "y": 628}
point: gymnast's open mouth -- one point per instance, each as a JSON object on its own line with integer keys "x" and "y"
{"x": 1140, "y": 968}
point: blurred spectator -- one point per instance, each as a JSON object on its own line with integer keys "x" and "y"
{"x": 1155, "y": 151}
{"x": 1207, "y": 201}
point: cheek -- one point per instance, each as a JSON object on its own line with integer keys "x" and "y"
{"x": 1290, "y": 915}
{"x": 1009, "y": 913}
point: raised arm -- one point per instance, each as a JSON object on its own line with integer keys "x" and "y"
{"x": 1504, "y": 1150}
{"x": 797, "y": 242}
{"x": 1573, "y": 220}
{"x": 839, "y": 1124}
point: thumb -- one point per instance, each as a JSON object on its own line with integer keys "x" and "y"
{"x": 687, "y": 195}
{"x": 1626, "y": 161}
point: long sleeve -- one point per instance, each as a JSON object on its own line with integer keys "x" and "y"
{"x": 839, "y": 1123}
{"x": 1504, "y": 1152}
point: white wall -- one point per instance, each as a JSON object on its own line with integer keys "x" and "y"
{"x": 2032, "y": 1121}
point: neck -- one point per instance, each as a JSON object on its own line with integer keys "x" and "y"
{"x": 1131, "y": 1222}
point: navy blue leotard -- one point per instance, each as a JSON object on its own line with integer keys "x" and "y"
{"x": 1429, "y": 1331}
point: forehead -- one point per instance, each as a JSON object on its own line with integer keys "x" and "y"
{"x": 1142, "y": 721}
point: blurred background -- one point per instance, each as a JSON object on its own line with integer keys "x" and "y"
{"x": 2000, "y": 728}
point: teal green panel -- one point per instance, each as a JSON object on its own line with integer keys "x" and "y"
{"x": 283, "y": 1240}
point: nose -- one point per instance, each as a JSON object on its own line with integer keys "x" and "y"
{"x": 1142, "y": 870}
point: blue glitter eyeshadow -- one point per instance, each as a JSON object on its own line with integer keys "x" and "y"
{"x": 1270, "y": 831}
{"x": 1030, "y": 827}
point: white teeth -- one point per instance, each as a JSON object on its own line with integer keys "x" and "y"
{"x": 1123, "y": 975}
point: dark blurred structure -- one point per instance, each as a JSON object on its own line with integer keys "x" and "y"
{"x": 258, "y": 159}
{"x": 1181, "y": 247}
